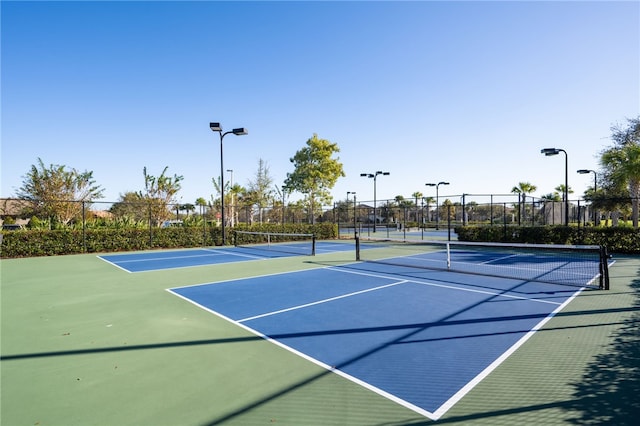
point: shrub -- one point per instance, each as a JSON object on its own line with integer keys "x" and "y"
{"x": 617, "y": 239}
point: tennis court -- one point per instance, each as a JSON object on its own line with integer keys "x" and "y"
{"x": 322, "y": 339}
{"x": 159, "y": 260}
{"x": 393, "y": 329}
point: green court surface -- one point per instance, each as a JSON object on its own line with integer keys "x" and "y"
{"x": 86, "y": 343}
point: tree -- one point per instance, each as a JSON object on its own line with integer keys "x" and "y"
{"x": 201, "y": 203}
{"x": 315, "y": 172}
{"x": 560, "y": 190}
{"x": 622, "y": 161}
{"x": 522, "y": 190}
{"x": 235, "y": 194}
{"x": 417, "y": 195}
{"x": 58, "y": 192}
{"x": 159, "y": 193}
{"x": 188, "y": 207}
{"x": 130, "y": 206}
{"x": 261, "y": 188}
{"x": 428, "y": 201}
{"x": 552, "y": 196}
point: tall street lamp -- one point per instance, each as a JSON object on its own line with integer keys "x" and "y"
{"x": 555, "y": 151}
{"x": 216, "y": 127}
{"x": 374, "y": 176}
{"x": 595, "y": 190}
{"x": 437, "y": 185}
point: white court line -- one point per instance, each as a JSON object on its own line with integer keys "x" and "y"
{"x": 293, "y": 308}
{"x": 440, "y": 411}
{"x": 496, "y": 259}
{"x": 153, "y": 259}
{"x": 452, "y": 287}
{"x": 328, "y": 367}
{"x": 471, "y": 384}
{"x": 114, "y": 264}
{"x": 250, "y": 256}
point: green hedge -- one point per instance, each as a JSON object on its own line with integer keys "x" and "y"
{"x": 616, "y": 239}
{"x": 31, "y": 243}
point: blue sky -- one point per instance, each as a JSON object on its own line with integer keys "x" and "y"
{"x": 464, "y": 92}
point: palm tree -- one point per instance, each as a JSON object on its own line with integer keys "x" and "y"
{"x": 554, "y": 196}
{"x": 427, "y": 201}
{"x": 623, "y": 162}
{"x": 560, "y": 190}
{"x": 522, "y": 190}
{"x": 235, "y": 192}
{"x": 201, "y": 202}
{"x": 416, "y": 195}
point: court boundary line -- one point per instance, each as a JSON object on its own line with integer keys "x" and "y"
{"x": 215, "y": 252}
{"x": 452, "y": 287}
{"x": 502, "y": 358}
{"x": 444, "y": 407}
{"x": 114, "y": 265}
{"x": 315, "y": 361}
{"x": 318, "y": 302}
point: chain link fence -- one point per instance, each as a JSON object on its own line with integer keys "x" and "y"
{"x": 447, "y": 211}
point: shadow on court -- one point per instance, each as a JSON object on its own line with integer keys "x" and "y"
{"x": 413, "y": 326}
{"x": 607, "y": 393}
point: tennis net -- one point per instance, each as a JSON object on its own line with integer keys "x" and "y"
{"x": 576, "y": 265}
{"x": 299, "y": 244}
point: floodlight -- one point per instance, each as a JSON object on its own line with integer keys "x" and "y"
{"x": 550, "y": 151}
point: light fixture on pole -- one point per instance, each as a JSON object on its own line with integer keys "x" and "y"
{"x": 595, "y": 190}
{"x": 216, "y": 127}
{"x": 437, "y": 185}
{"x": 374, "y": 176}
{"x": 555, "y": 151}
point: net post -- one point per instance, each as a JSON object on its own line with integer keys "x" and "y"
{"x": 604, "y": 268}
{"x": 357, "y": 246}
{"x": 448, "y": 256}
{"x": 313, "y": 245}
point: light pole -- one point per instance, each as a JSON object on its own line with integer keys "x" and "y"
{"x": 355, "y": 230}
{"x": 216, "y": 127}
{"x": 595, "y": 190}
{"x": 437, "y": 185}
{"x": 555, "y": 151}
{"x": 374, "y": 176}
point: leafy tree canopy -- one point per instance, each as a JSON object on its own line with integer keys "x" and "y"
{"x": 55, "y": 190}
{"x": 315, "y": 170}
{"x": 621, "y": 162}
{"x": 260, "y": 189}
{"x": 159, "y": 193}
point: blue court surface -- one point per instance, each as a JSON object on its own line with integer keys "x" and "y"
{"x": 420, "y": 338}
{"x": 156, "y": 260}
